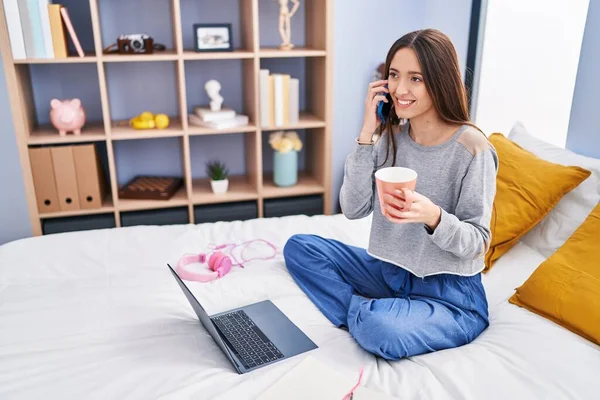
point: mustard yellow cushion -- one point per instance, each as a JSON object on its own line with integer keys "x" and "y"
{"x": 566, "y": 287}
{"x": 527, "y": 188}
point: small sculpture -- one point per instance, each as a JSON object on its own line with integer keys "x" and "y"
{"x": 212, "y": 89}
{"x": 67, "y": 115}
{"x": 285, "y": 16}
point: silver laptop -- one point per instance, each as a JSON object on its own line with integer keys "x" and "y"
{"x": 251, "y": 336}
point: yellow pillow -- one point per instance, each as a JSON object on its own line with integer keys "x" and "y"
{"x": 527, "y": 188}
{"x": 566, "y": 287}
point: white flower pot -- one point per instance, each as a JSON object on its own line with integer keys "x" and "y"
{"x": 220, "y": 186}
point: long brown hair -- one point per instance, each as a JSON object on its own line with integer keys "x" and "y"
{"x": 441, "y": 73}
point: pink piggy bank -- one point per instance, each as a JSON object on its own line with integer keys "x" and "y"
{"x": 67, "y": 115}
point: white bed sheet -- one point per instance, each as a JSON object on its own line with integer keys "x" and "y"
{"x": 97, "y": 315}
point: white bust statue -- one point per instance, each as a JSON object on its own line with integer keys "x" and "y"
{"x": 212, "y": 89}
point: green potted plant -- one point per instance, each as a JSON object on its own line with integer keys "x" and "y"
{"x": 218, "y": 173}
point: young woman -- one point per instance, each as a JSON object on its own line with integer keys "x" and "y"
{"x": 417, "y": 288}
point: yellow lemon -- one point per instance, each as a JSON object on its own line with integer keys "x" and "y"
{"x": 162, "y": 121}
{"x": 146, "y": 116}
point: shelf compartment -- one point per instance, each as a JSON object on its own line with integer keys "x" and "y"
{"x": 308, "y": 29}
{"x": 234, "y": 77}
{"x": 179, "y": 199}
{"x": 45, "y": 82}
{"x": 154, "y": 18}
{"x": 240, "y": 189}
{"x": 149, "y": 157}
{"x": 107, "y": 207}
{"x": 274, "y": 52}
{"x": 237, "y": 13}
{"x": 122, "y": 131}
{"x": 307, "y": 184}
{"x": 242, "y": 167}
{"x": 133, "y": 88}
{"x": 47, "y": 134}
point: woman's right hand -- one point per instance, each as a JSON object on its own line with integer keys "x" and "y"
{"x": 376, "y": 93}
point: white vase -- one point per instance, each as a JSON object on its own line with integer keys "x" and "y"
{"x": 219, "y": 186}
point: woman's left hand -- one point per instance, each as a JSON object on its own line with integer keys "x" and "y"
{"x": 419, "y": 208}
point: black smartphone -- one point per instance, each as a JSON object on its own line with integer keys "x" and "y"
{"x": 383, "y": 108}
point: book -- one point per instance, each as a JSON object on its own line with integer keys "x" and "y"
{"x": 279, "y": 93}
{"x": 265, "y": 110}
{"x": 207, "y": 115}
{"x": 59, "y": 38}
{"x": 71, "y": 30}
{"x": 315, "y": 379}
{"x": 46, "y": 30}
{"x": 27, "y": 27}
{"x": 238, "y": 120}
{"x": 15, "y": 32}
{"x": 294, "y": 101}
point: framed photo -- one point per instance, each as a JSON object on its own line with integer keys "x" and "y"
{"x": 213, "y": 37}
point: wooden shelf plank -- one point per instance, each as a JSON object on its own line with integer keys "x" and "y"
{"x": 198, "y": 130}
{"x": 217, "y": 55}
{"x": 107, "y": 207}
{"x": 47, "y": 134}
{"x": 240, "y": 189}
{"x": 306, "y": 121}
{"x": 71, "y": 59}
{"x": 179, "y": 199}
{"x": 168, "y": 55}
{"x": 274, "y": 52}
{"x": 121, "y": 131}
{"x": 306, "y": 185}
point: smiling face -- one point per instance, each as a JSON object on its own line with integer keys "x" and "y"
{"x": 407, "y": 88}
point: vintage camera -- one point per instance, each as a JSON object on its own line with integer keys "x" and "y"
{"x": 135, "y": 43}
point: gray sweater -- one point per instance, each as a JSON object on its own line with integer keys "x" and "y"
{"x": 458, "y": 175}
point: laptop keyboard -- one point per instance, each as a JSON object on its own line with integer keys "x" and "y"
{"x": 248, "y": 341}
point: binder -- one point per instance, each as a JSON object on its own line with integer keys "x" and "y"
{"x": 91, "y": 185}
{"x": 43, "y": 180}
{"x": 65, "y": 178}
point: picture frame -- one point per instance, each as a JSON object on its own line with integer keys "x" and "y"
{"x": 213, "y": 37}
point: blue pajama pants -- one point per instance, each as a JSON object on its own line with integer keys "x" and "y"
{"x": 389, "y": 311}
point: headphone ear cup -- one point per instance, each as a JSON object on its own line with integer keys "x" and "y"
{"x": 194, "y": 276}
{"x": 220, "y": 263}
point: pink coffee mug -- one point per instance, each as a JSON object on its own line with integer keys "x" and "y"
{"x": 390, "y": 179}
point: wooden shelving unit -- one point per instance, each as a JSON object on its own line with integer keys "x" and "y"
{"x": 255, "y": 184}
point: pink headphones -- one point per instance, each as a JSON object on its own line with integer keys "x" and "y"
{"x": 219, "y": 263}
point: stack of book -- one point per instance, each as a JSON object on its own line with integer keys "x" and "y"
{"x": 37, "y": 29}
{"x": 279, "y": 99}
{"x": 223, "y": 119}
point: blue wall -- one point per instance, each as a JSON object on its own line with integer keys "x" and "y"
{"x": 584, "y": 129}
{"x": 14, "y": 214}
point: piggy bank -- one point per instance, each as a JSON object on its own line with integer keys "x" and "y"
{"x": 67, "y": 115}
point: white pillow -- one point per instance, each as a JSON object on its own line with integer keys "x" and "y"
{"x": 570, "y": 212}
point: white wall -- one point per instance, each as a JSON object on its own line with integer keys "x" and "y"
{"x": 529, "y": 66}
